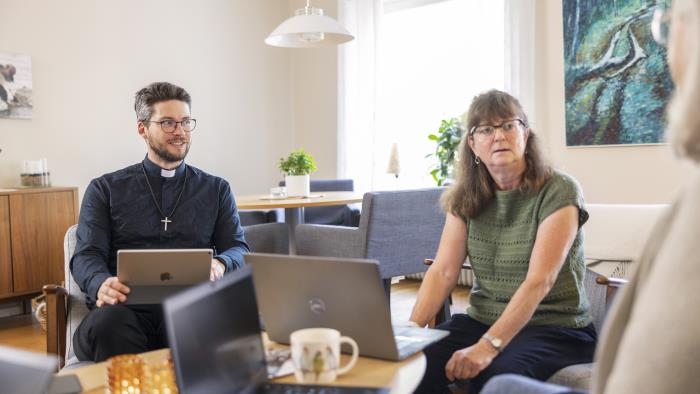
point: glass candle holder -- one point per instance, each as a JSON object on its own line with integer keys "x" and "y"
{"x": 125, "y": 374}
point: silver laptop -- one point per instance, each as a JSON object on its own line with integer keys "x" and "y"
{"x": 297, "y": 292}
{"x": 214, "y": 336}
{"x": 153, "y": 274}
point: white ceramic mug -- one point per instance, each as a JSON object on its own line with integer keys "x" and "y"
{"x": 316, "y": 354}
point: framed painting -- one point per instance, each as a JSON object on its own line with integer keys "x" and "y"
{"x": 15, "y": 86}
{"x": 617, "y": 82}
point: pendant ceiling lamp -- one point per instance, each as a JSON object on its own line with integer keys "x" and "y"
{"x": 308, "y": 28}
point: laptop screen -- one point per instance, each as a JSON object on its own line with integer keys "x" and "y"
{"x": 214, "y": 335}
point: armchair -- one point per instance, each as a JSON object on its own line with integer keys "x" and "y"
{"x": 397, "y": 228}
{"x": 65, "y": 308}
{"x": 268, "y": 238}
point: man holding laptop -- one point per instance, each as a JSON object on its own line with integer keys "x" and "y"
{"x": 160, "y": 203}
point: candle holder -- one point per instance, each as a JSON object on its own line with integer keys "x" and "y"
{"x": 130, "y": 374}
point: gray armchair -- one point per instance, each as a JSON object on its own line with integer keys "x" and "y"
{"x": 268, "y": 238}
{"x": 397, "y": 228}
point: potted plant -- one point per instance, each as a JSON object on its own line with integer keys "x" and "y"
{"x": 296, "y": 168}
{"x": 447, "y": 138}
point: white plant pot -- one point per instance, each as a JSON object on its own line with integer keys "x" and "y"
{"x": 297, "y": 185}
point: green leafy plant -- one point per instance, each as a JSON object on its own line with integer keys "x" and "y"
{"x": 447, "y": 139}
{"x": 297, "y": 163}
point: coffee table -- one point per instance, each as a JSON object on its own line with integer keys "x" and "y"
{"x": 294, "y": 206}
{"x": 401, "y": 377}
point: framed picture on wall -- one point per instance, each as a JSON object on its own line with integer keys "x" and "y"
{"x": 617, "y": 82}
{"x": 15, "y": 86}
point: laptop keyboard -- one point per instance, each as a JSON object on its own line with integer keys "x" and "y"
{"x": 314, "y": 389}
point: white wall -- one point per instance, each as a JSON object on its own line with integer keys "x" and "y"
{"x": 315, "y": 98}
{"x": 635, "y": 174}
{"x": 90, "y": 57}
{"x": 631, "y": 174}
{"x": 254, "y": 103}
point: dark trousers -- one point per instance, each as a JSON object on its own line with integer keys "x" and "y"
{"x": 536, "y": 351}
{"x": 119, "y": 329}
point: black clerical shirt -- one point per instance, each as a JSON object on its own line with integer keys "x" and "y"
{"x": 118, "y": 212}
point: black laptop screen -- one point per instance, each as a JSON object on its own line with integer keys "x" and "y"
{"x": 214, "y": 335}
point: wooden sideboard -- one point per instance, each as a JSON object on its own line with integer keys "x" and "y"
{"x": 33, "y": 223}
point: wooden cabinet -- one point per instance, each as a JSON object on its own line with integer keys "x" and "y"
{"x": 32, "y": 225}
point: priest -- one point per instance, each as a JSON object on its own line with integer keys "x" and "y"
{"x": 159, "y": 203}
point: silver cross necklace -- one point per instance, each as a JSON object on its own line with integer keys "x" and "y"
{"x": 166, "y": 218}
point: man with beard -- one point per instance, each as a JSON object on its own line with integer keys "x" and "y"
{"x": 159, "y": 203}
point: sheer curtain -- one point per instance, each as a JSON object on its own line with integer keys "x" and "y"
{"x": 357, "y": 65}
{"x": 477, "y": 45}
{"x": 520, "y": 48}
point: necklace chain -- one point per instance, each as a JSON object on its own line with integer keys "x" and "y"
{"x": 153, "y": 195}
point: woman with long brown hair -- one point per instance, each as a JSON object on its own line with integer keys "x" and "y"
{"x": 649, "y": 343}
{"x": 519, "y": 223}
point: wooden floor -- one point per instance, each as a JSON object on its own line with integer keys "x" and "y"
{"x": 403, "y": 296}
{"x": 24, "y": 331}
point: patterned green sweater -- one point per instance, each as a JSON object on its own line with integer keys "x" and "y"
{"x": 500, "y": 243}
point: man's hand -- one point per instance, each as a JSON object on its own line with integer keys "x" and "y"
{"x": 469, "y": 362}
{"x": 112, "y": 292}
{"x": 217, "y": 270}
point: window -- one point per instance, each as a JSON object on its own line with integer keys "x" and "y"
{"x": 433, "y": 57}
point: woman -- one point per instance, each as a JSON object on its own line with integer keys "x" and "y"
{"x": 649, "y": 343}
{"x": 519, "y": 222}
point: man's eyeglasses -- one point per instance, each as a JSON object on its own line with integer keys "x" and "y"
{"x": 487, "y": 131}
{"x": 170, "y": 125}
{"x": 660, "y": 25}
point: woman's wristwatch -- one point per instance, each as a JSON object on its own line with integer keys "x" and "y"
{"x": 496, "y": 343}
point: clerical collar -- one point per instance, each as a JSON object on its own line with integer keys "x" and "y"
{"x": 154, "y": 170}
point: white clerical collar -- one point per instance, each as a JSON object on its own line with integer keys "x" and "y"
{"x": 167, "y": 173}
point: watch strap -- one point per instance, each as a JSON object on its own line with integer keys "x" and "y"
{"x": 493, "y": 341}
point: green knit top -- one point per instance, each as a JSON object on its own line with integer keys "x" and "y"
{"x": 500, "y": 243}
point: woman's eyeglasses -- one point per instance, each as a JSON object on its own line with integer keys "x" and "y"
{"x": 487, "y": 131}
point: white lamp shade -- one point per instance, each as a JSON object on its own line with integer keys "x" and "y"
{"x": 290, "y": 33}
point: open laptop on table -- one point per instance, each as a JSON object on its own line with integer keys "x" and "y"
{"x": 214, "y": 336}
{"x": 154, "y": 274}
{"x": 297, "y": 292}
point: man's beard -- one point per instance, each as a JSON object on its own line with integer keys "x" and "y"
{"x": 162, "y": 152}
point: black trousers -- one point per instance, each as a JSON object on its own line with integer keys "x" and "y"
{"x": 119, "y": 329}
{"x": 536, "y": 351}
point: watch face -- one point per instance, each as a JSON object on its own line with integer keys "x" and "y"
{"x": 496, "y": 342}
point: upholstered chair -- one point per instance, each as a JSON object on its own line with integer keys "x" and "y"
{"x": 397, "y": 228}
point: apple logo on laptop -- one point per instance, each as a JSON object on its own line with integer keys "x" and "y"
{"x": 317, "y": 306}
{"x": 165, "y": 276}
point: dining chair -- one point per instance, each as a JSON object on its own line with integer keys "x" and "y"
{"x": 339, "y": 215}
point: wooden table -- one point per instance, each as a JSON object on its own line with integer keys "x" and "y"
{"x": 294, "y": 206}
{"x": 401, "y": 377}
